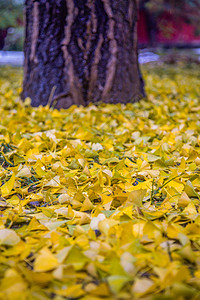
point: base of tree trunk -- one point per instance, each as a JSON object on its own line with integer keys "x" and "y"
{"x": 77, "y": 52}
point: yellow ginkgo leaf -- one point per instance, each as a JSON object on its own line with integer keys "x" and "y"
{"x": 8, "y": 237}
{"x": 24, "y": 172}
{"x": 184, "y": 200}
{"x": 136, "y": 197}
{"x": 189, "y": 189}
{"x": 8, "y": 186}
{"x": 116, "y": 282}
{"x": 45, "y": 261}
{"x": 142, "y": 286}
{"x": 72, "y": 292}
{"x": 106, "y": 224}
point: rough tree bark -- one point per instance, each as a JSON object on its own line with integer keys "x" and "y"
{"x": 77, "y": 52}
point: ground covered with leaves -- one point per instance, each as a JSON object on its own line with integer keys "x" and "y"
{"x": 102, "y": 202}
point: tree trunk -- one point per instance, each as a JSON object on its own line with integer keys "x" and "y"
{"x": 77, "y": 52}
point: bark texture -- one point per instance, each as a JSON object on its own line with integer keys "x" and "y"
{"x": 77, "y": 52}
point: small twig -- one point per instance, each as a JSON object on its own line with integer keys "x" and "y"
{"x": 51, "y": 95}
{"x": 139, "y": 211}
{"x": 152, "y": 191}
{"x": 171, "y": 180}
{"x": 169, "y": 251}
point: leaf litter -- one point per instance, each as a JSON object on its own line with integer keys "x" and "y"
{"x": 102, "y": 202}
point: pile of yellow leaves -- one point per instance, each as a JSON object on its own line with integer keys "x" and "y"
{"x": 101, "y": 202}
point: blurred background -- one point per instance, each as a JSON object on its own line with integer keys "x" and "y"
{"x": 167, "y": 29}
{"x": 169, "y": 23}
{"x": 11, "y": 25}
